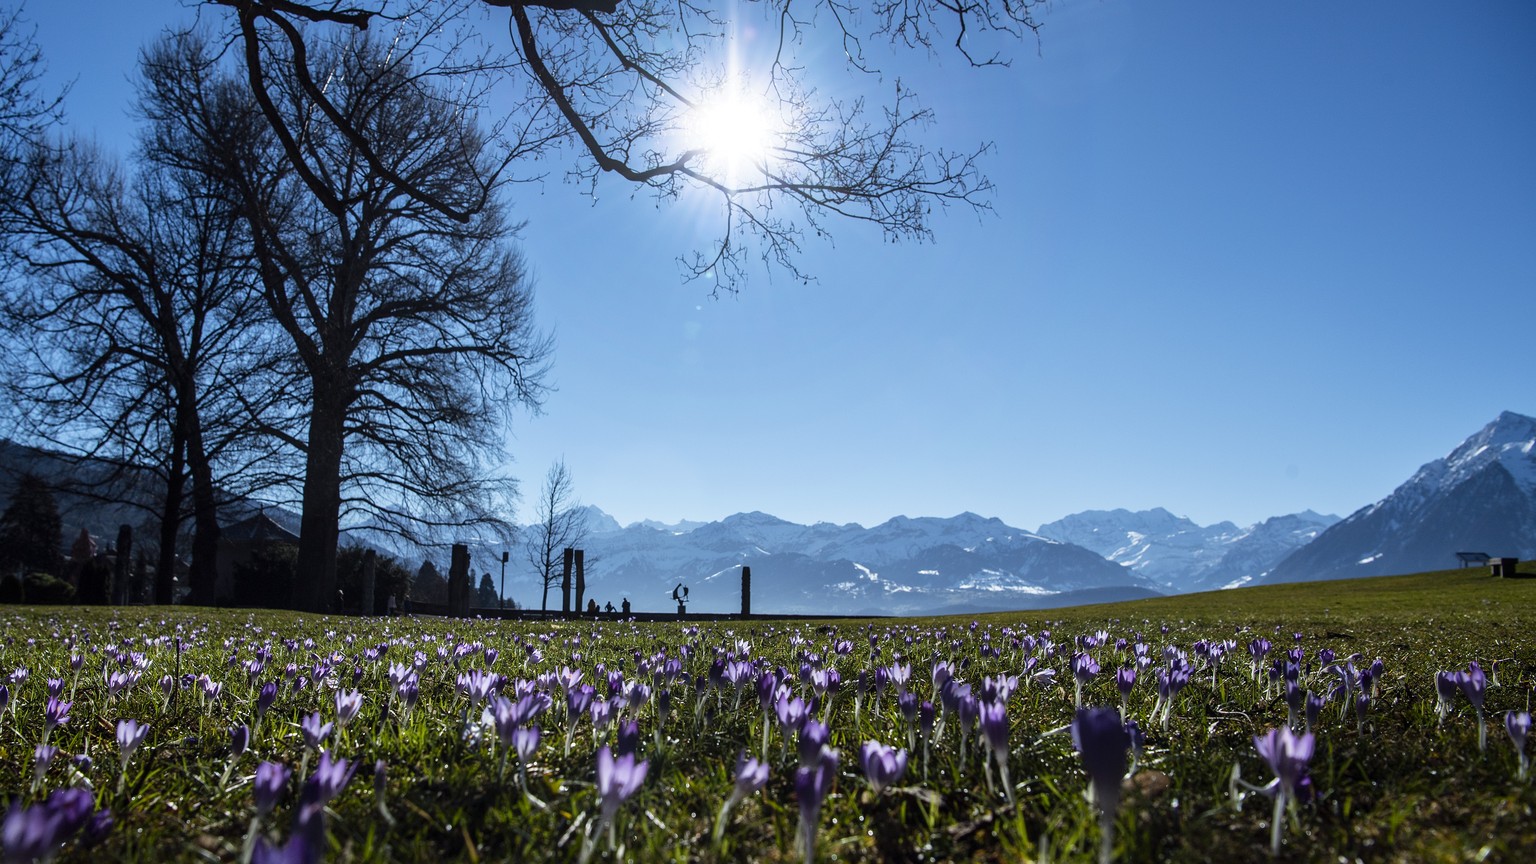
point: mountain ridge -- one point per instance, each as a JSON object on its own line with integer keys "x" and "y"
{"x": 1480, "y": 497}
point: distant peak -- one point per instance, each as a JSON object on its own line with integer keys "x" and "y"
{"x": 1509, "y": 426}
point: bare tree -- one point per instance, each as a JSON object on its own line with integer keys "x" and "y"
{"x": 627, "y": 85}
{"x": 136, "y": 324}
{"x": 409, "y": 333}
{"x": 561, "y": 525}
{"x": 25, "y": 112}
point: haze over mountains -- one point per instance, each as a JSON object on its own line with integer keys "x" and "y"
{"x": 1181, "y": 556}
{"x": 1481, "y": 497}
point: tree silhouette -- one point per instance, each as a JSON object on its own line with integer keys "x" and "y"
{"x": 561, "y": 524}
{"x": 408, "y": 333}
{"x": 625, "y": 85}
{"x": 31, "y": 531}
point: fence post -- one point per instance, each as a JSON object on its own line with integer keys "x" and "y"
{"x": 746, "y": 591}
{"x": 565, "y": 581}
{"x": 458, "y": 581}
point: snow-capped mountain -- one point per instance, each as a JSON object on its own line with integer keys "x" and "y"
{"x": 680, "y": 527}
{"x": 902, "y": 566}
{"x": 1179, "y": 555}
{"x": 1479, "y": 498}
{"x": 1257, "y": 549}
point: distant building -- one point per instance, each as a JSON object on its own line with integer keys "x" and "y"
{"x": 238, "y": 543}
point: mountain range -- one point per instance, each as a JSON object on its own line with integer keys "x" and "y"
{"x": 965, "y": 563}
{"x": 1481, "y": 497}
{"x": 1179, "y": 555}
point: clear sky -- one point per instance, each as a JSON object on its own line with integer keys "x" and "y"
{"x": 1246, "y": 259}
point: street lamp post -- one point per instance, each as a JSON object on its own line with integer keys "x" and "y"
{"x": 502, "y": 595}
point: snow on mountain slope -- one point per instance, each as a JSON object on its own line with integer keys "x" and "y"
{"x": 902, "y": 566}
{"x": 1179, "y": 555}
{"x": 1481, "y": 497}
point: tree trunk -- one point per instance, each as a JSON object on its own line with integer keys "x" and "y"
{"x": 319, "y": 527}
{"x": 205, "y": 514}
{"x": 170, "y": 522}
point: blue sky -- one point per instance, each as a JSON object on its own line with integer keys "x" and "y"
{"x": 1246, "y": 259}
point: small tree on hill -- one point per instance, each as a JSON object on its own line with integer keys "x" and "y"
{"x": 429, "y": 586}
{"x": 562, "y": 524}
{"x": 486, "y": 596}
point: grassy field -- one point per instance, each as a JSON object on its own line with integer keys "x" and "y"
{"x": 437, "y": 776}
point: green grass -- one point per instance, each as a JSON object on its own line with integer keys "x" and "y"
{"x": 1399, "y": 787}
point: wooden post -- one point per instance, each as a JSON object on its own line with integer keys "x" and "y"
{"x": 458, "y": 581}
{"x": 120, "y": 581}
{"x": 581, "y": 580}
{"x": 565, "y": 581}
{"x": 746, "y": 591}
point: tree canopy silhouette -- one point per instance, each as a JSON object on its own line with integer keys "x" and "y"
{"x": 627, "y": 85}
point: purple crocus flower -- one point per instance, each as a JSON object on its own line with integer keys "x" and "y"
{"x": 1138, "y": 742}
{"x": 792, "y": 713}
{"x": 617, "y": 779}
{"x": 751, "y": 775}
{"x": 1474, "y": 685}
{"x": 34, "y": 833}
{"x": 1445, "y": 691}
{"x": 348, "y": 703}
{"x": 72, "y": 808}
{"x": 1125, "y": 680}
{"x": 42, "y": 757}
{"x": 271, "y": 780}
{"x": 299, "y": 849}
{"x": 98, "y": 827}
{"x": 30, "y": 834}
{"x": 1287, "y": 754}
{"x": 1084, "y": 667}
{"x": 130, "y": 734}
{"x": 1314, "y": 709}
{"x": 525, "y": 740}
{"x": 329, "y": 778}
{"x": 994, "y": 728}
{"x": 314, "y": 731}
{"x": 813, "y": 736}
{"x": 55, "y": 714}
{"x": 993, "y": 718}
{"x": 1518, "y": 725}
{"x": 239, "y": 740}
{"x": 628, "y": 738}
{"x": 812, "y": 785}
{"x": 882, "y": 765}
{"x": 265, "y": 698}
{"x": 1100, "y": 737}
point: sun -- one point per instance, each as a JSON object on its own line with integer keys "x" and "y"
{"x": 736, "y": 131}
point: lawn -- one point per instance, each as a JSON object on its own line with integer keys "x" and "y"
{"x": 421, "y": 739}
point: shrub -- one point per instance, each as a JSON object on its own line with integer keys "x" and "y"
{"x": 46, "y": 588}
